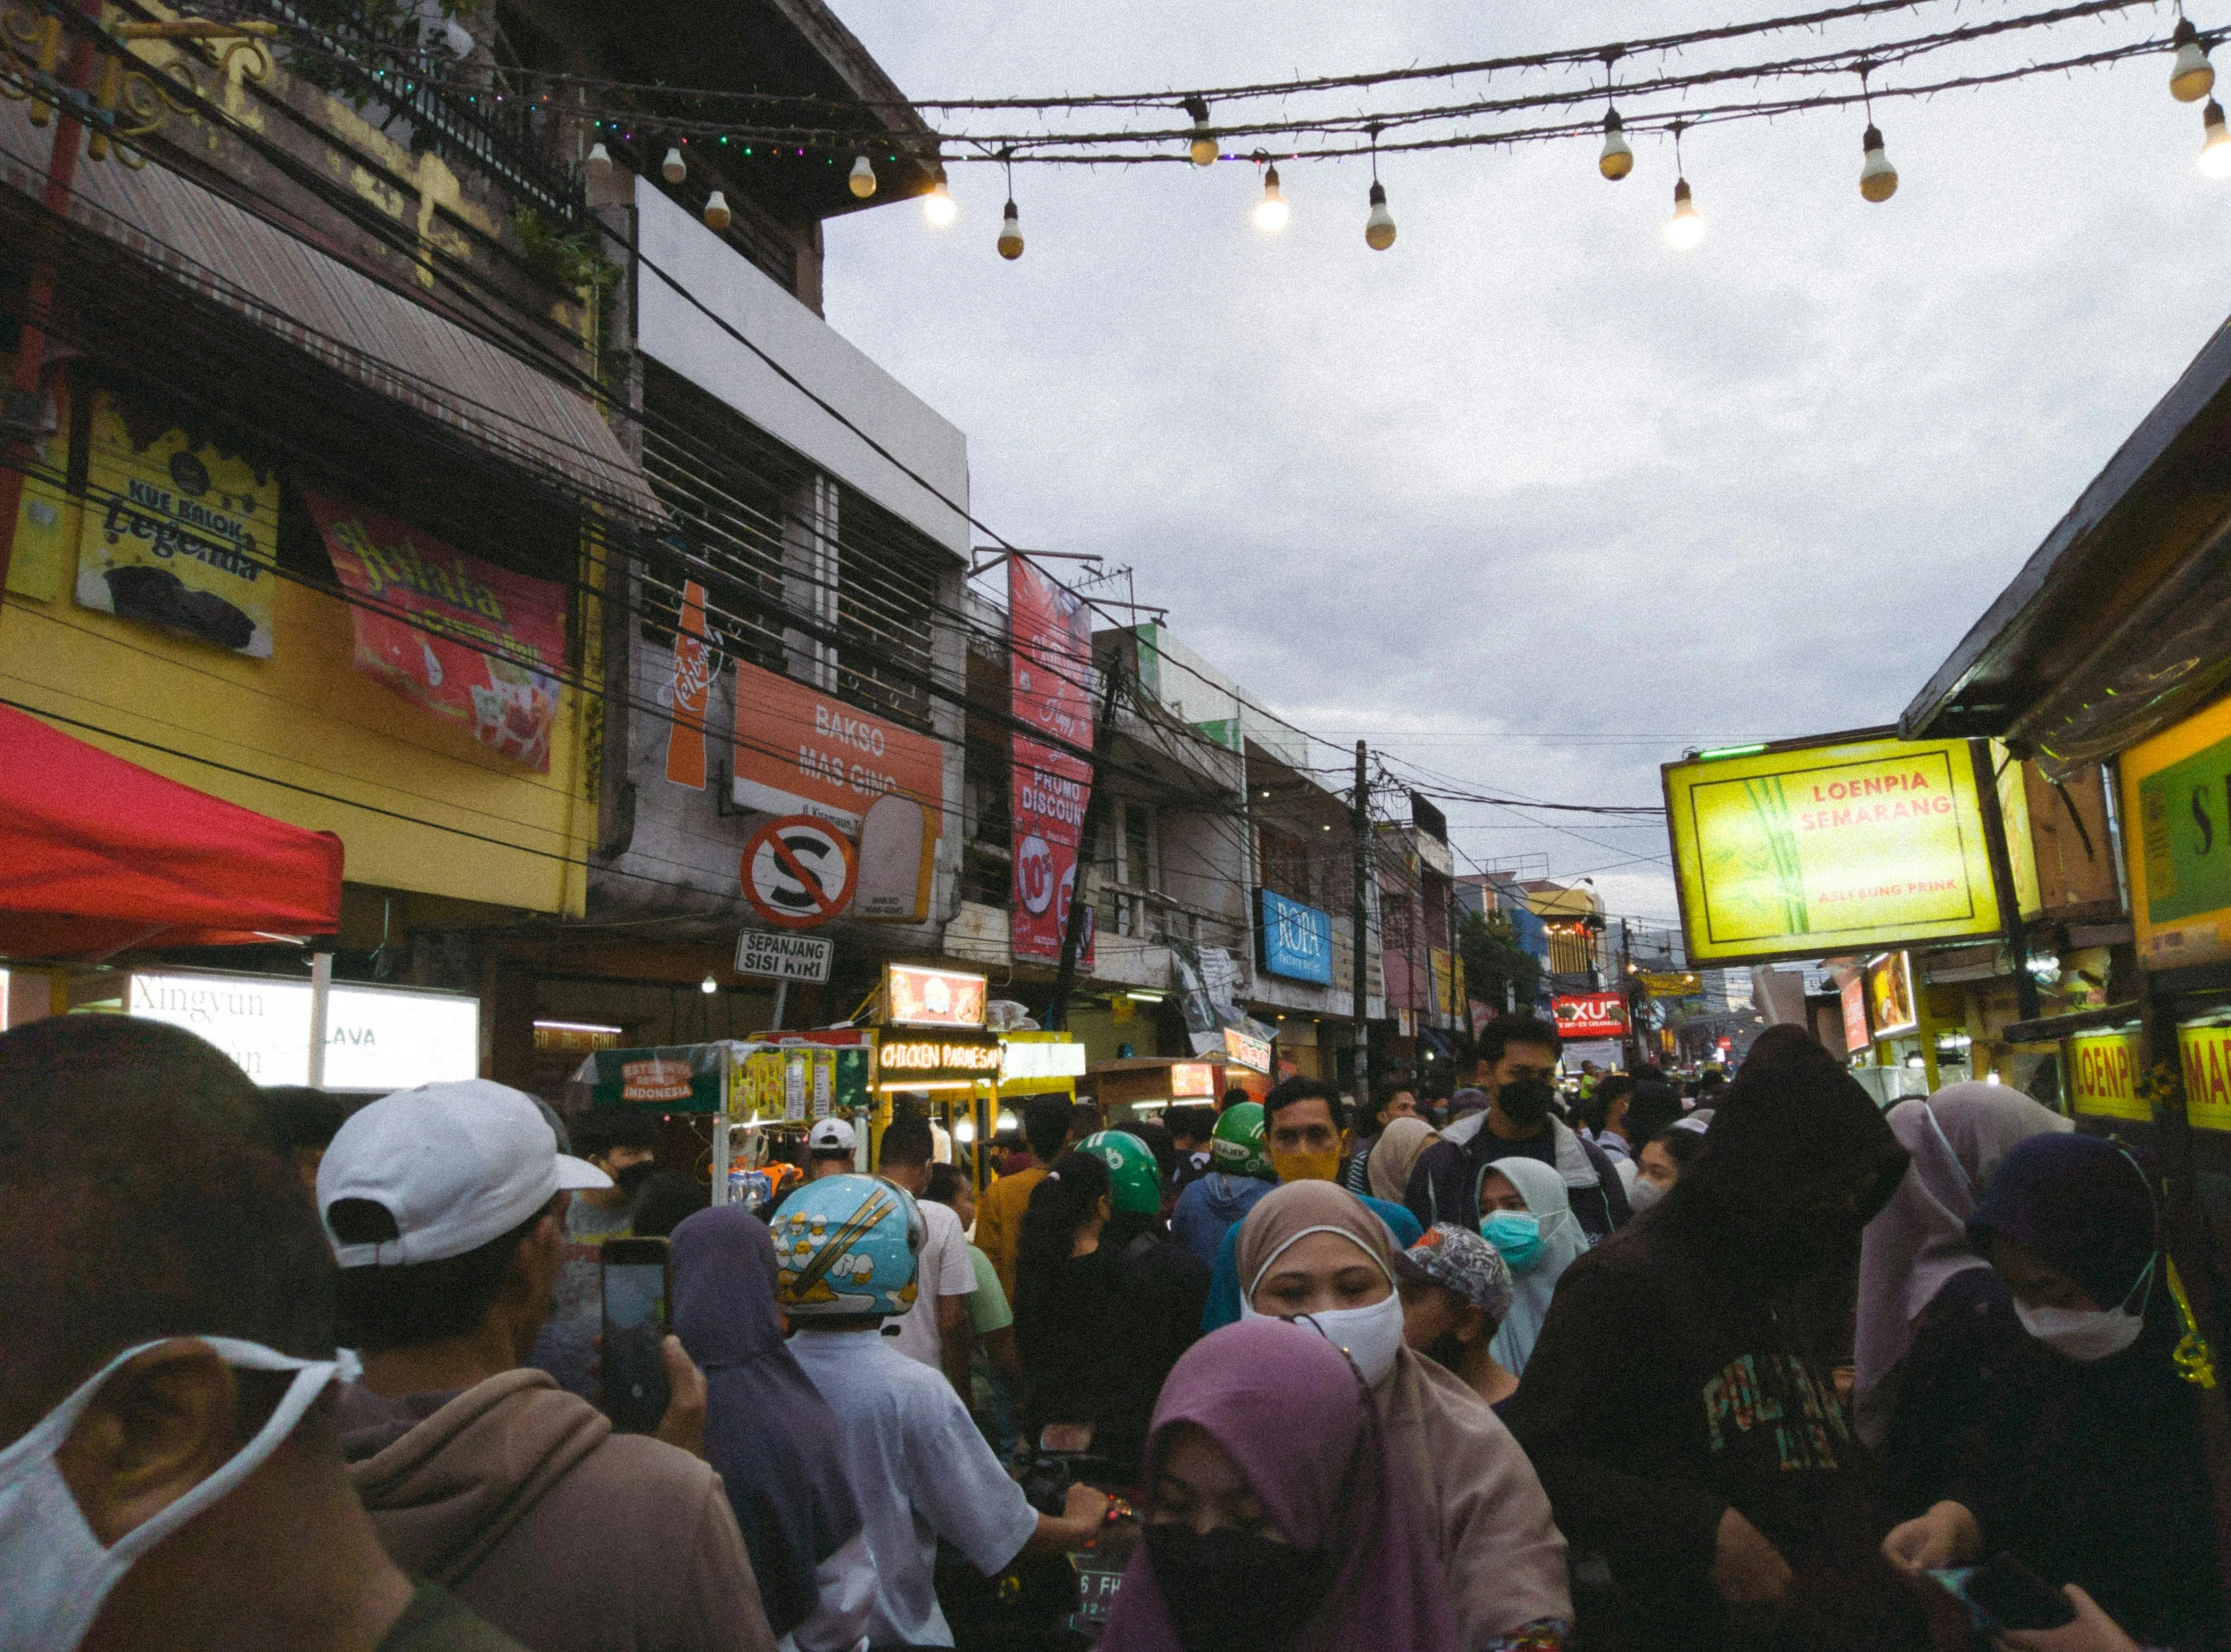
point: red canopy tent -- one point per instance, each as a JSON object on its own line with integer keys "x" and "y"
{"x": 97, "y": 855}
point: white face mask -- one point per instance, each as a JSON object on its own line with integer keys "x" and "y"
{"x": 1644, "y": 1194}
{"x": 58, "y": 1573}
{"x": 2088, "y": 1334}
{"x": 1371, "y": 1336}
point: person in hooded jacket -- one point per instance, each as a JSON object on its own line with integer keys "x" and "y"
{"x": 2042, "y": 1413}
{"x": 1239, "y": 1174}
{"x": 1683, "y": 1422}
{"x": 769, "y": 1434}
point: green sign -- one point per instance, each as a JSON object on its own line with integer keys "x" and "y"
{"x": 672, "y": 1078}
{"x": 2184, "y": 814}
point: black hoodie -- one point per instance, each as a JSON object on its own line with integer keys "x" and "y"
{"x": 1678, "y": 1374}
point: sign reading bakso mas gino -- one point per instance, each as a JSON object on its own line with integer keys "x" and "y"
{"x": 1803, "y": 851}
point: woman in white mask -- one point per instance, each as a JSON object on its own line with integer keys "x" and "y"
{"x": 1311, "y": 1252}
{"x": 2060, "y": 1428}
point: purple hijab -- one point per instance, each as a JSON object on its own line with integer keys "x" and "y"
{"x": 768, "y": 1432}
{"x": 1293, "y": 1415}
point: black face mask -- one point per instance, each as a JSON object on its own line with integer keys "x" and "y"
{"x": 1525, "y": 1101}
{"x": 631, "y": 1180}
{"x": 1233, "y": 1591}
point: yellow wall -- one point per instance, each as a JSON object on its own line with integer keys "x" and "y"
{"x": 306, "y": 717}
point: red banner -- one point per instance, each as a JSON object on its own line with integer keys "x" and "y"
{"x": 464, "y": 638}
{"x": 1590, "y": 1015}
{"x": 1050, "y": 637}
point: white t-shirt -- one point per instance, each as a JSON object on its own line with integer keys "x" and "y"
{"x": 943, "y": 1269}
{"x": 920, "y": 1471}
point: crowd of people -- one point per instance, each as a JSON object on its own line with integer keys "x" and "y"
{"x": 1762, "y": 1366}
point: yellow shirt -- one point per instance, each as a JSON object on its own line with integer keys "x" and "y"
{"x": 999, "y": 1221}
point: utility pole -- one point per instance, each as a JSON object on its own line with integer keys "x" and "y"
{"x": 1072, "y": 931}
{"x": 1359, "y": 931}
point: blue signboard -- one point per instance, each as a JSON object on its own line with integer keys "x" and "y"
{"x": 1296, "y": 940}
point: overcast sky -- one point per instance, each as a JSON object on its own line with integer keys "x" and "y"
{"x": 1530, "y": 498}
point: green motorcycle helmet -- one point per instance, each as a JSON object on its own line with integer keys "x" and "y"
{"x": 1236, "y": 1146}
{"x": 1136, "y": 1180}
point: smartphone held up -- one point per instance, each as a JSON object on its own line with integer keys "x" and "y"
{"x": 636, "y": 1283}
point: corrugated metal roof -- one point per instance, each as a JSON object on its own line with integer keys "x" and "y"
{"x": 357, "y": 325}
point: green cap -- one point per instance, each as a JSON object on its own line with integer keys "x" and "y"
{"x": 1236, "y": 1146}
{"x": 1136, "y": 1177}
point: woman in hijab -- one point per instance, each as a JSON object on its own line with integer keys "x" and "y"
{"x": 1387, "y": 1170}
{"x": 1526, "y": 1214}
{"x": 1919, "y": 1241}
{"x": 1313, "y": 1251}
{"x": 1274, "y": 1516}
{"x": 768, "y": 1432}
{"x": 2061, "y": 1429}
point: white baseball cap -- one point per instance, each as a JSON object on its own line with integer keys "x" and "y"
{"x": 455, "y": 1165}
{"x": 830, "y": 1136}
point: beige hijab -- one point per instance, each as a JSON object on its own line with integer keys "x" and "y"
{"x": 1393, "y": 1154}
{"x": 1502, "y": 1556}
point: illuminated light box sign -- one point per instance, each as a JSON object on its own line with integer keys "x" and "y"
{"x": 1890, "y": 1001}
{"x": 376, "y": 1038}
{"x": 2179, "y": 848}
{"x": 901, "y": 1061}
{"x": 916, "y": 996}
{"x": 1192, "y": 1078}
{"x": 2103, "y": 1076}
{"x": 1064, "y": 1058}
{"x": 1590, "y": 1015}
{"x": 1854, "y": 846}
{"x": 2207, "y": 1068}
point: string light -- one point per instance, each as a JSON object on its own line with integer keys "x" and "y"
{"x": 862, "y": 180}
{"x": 1204, "y": 147}
{"x": 1010, "y": 224}
{"x": 2215, "y": 153}
{"x": 2191, "y": 77}
{"x": 1618, "y": 158}
{"x": 716, "y": 212}
{"x": 1378, "y": 228}
{"x": 1878, "y": 179}
{"x": 937, "y": 205}
{"x": 1271, "y": 212}
{"x": 1685, "y": 228}
{"x": 673, "y": 169}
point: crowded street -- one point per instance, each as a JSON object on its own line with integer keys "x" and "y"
{"x": 842, "y": 827}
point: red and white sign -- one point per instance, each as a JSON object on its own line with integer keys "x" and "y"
{"x": 800, "y": 751}
{"x": 1050, "y": 640}
{"x": 464, "y": 638}
{"x": 1855, "y": 1015}
{"x": 798, "y": 871}
{"x": 692, "y": 684}
{"x": 1590, "y": 1014}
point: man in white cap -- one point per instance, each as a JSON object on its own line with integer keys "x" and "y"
{"x": 445, "y": 1205}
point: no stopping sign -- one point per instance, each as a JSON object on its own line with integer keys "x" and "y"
{"x": 798, "y": 871}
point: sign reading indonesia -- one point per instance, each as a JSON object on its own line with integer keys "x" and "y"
{"x": 1837, "y": 847}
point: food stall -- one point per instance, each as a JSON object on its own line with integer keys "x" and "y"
{"x": 1138, "y": 1087}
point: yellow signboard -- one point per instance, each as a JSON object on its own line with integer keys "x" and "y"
{"x": 2103, "y": 1076}
{"x": 177, "y": 532}
{"x": 2207, "y": 1063}
{"x": 1813, "y": 850}
{"x": 2178, "y": 840}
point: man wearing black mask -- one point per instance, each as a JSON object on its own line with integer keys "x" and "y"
{"x": 1681, "y": 1411}
{"x": 1513, "y": 1063}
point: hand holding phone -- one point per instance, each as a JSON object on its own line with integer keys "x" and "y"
{"x": 2004, "y": 1594}
{"x": 636, "y": 1387}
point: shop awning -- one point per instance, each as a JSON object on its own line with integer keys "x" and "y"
{"x": 97, "y": 855}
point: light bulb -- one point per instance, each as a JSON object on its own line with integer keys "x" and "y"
{"x": 1011, "y": 234}
{"x": 2215, "y": 154}
{"x": 673, "y": 169}
{"x": 708, "y": 986}
{"x": 1378, "y": 229}
{"x": 2192, "y": 77}
{"x": 1271, "y": 212}
{"x": 716, "y": 211}
{"x": 1878, "y": 179}
{"x": 1205, "y": 146}
{"x": 862, "y": 181}
{"x": 1618, "y": 159}
{"x": 1684, "y": 229}
{"x": 937, "y": 205}
{"x": 964, "y": 1130}
{"x": 599, "y": 162}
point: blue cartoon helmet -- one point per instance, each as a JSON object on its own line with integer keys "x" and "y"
{"x": 846, "y": 1245}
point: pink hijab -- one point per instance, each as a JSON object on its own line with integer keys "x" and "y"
{"x": 1293, "y": 1415}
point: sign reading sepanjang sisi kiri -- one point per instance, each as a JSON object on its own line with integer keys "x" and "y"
{"x": 177, "y": 532}
{"x": 1852, "y": 846}
{"x": 462, "y": 637}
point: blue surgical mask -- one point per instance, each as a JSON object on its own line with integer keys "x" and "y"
{"x": 1517, "y": 1234}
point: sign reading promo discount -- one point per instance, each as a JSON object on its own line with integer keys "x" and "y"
{"x": 1051, "y": 644}
{"x": 1807, "y": 850}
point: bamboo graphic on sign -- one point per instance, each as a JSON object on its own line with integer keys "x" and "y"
{"x": 1771, "y": 809}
